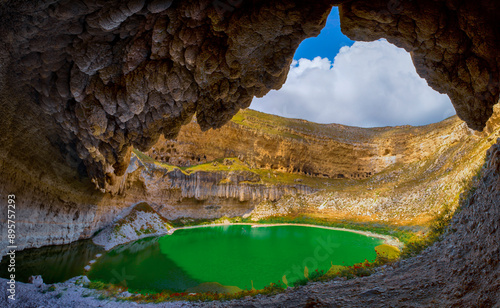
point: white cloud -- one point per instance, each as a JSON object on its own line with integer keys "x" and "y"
{"x": 369, "y": 84}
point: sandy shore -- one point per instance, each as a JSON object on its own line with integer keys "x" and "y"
{"x": 389, "y": 240}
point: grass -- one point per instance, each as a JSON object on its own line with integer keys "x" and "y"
{"x": 362, "y": 269}
{"x": 415, "y": 242}
{"x": 397, "y": 177}
{"x": 215, "y": 291}
{"x": 108, "y": 290}
{"x": 441, "y": 223}
{"x": 400, "y": 177}
{"x": 386, "y": 254}
{"x": 387, "y": 251}
{"x": 298, "y": 128}
{"x": 214, "y": 287}
{"x": 98, "y": 285}
{"x": 265, "y": 176}
{"x": 395, "y": 231}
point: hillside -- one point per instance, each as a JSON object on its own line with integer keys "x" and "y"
{"x": 393, "y": 175}
{"x": 265, "y": 141}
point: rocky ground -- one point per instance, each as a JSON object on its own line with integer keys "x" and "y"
{"x": 462, "y": 270}
{"x": 142, "y": 221}
{"x": 67, "y": 294}
{"x": 82, "y": 82}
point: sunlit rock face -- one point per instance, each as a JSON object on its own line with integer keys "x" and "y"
{"x": 82, "y": 81}
{"x": 115, "y": 74}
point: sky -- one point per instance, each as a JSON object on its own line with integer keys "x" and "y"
{"x": 368, "y": 84}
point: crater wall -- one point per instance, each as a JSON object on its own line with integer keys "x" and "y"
{"x": 83, "y": 81}
{"x": 116, "y": 74}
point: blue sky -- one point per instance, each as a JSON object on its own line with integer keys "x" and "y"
{"x": 328, "y": 43}
{"x": 368, "y": 84}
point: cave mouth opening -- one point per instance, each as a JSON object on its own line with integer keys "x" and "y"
{"x": 375, "y": 84}
{"x": 480, "y": 216}
{"x": 333, "y": 79}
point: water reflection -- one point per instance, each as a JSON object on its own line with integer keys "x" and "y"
{"x": 54, "y": 263}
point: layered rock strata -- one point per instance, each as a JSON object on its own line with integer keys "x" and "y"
{"x": 297, "y": 146}
{"x": 175, "y": 194}
{"x": 117, "y": 74}
{"x": 413, "y": 184}
{"x": 462, "y": 270}
{"x": 83, "y": 81}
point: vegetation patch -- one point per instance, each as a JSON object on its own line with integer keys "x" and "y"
{"x": 398, "y": 179}
{"x": 218, "y": 292}
{"x": 388, "y": 251}
{"x": 214, "y": 287}
{"x": 417, "y": 243}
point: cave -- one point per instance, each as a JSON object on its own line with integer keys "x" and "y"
{"x": 83, "y": 82}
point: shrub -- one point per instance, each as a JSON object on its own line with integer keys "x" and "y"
{"x": 98, "y": 285}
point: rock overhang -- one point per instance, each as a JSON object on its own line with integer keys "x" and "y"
{"x": 116, "y": 74}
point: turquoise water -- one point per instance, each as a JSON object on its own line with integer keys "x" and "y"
{"x": 230, "y": 255}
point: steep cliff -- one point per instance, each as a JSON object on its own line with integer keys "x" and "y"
{"x": 398, "y": 175}
{"x": 111, "y": 75}
{"x": 214, "y": 191}
{"x": 297, "y": 146}
{"x": 93, "y": 79}
{"x": 82, "y": 82}
{"x": 461, "y": 270}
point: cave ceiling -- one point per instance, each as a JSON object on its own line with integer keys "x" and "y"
{"x": 117, "y": 74}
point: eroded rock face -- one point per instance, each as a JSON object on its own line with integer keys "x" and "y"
{"x": 454, "y": 45}
{"x": 117, "y": 74}
{"x": 141, "y": 221}
{"x": 462, "y": 270}
{"x": 301, "y": 147}
{"x": 83, "y": 80}
{"x": 201, "y": 194}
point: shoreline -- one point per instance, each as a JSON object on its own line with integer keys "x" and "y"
{"x": 388, "y": 240}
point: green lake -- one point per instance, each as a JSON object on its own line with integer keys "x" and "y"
{"x": 232, "y": 255}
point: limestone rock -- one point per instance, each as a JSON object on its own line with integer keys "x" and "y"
{"x": 453, "y": 46}
{"x": 36, "y": 280}
{"x": 117, "y": 74}
{"x": 124, "y": 294}
{"x": 81, "y": 82}
{"x": 140, "y": 221}
{"x": 79, "y": 280}
{"x": 302, "y": 147}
